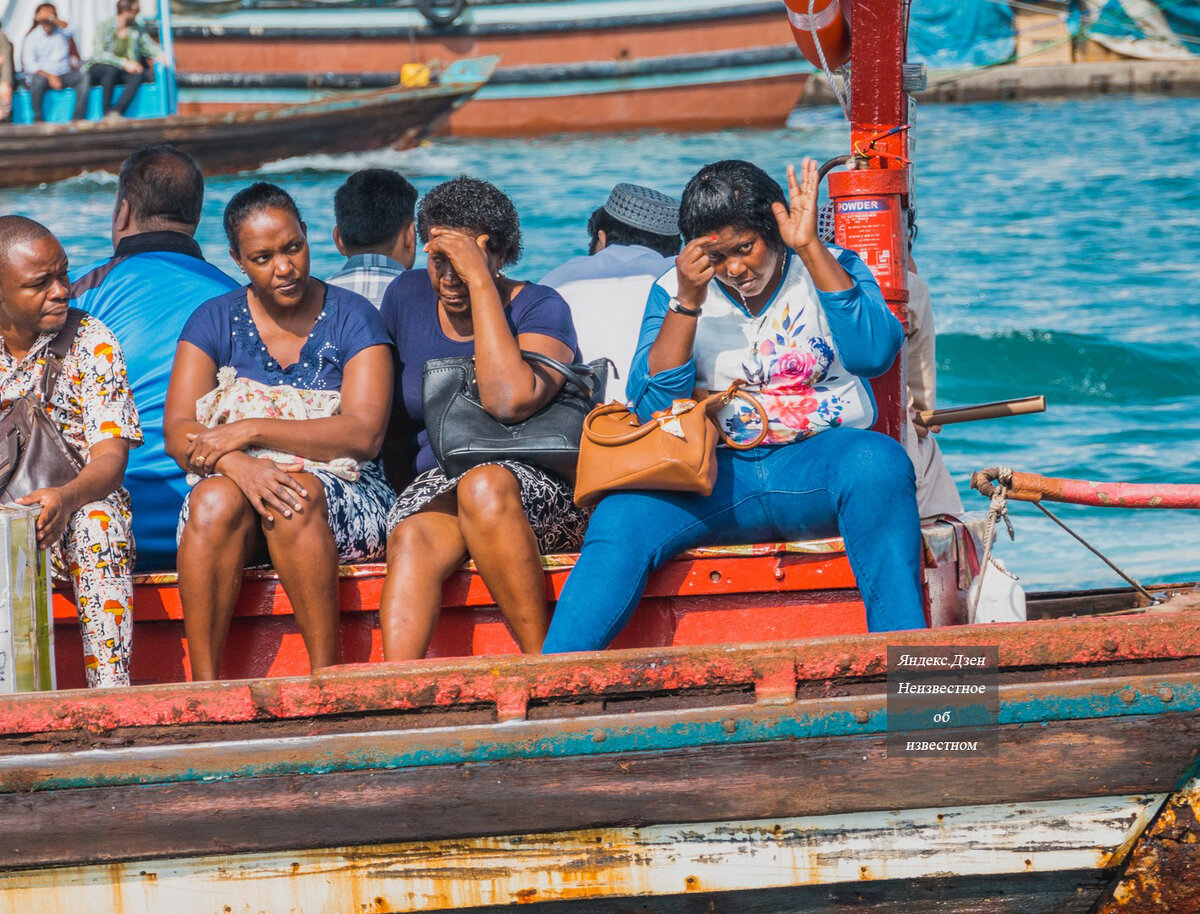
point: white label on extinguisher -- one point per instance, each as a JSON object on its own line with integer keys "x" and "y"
{"x": 865, "y": 225}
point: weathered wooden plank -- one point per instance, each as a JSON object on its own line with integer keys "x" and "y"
{"x": 722, "y": 858}
{"x": 816, "y": 776}
{"x": 1057, "y": 649}
{"x": 776, "y": 716}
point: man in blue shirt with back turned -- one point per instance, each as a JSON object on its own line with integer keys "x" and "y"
{"x": 145, "y": 293}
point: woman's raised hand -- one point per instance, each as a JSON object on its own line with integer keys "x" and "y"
{"x": 694, "y": 271}
{"x": 798, "y": 221}
{"x": 467, "y": 255}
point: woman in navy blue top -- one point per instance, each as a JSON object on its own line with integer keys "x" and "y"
{"x": 284, "y": 328}
{"x": 502, "y": 515}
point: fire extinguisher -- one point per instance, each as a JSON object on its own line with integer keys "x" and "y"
{"x": 869, "y": 219}
{"x": 824, "y": 22}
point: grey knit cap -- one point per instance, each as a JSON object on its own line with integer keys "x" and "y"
{"x": 643, "y": 208}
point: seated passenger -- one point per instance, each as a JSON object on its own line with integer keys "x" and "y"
{"x": 145, "y": 292}
{"x": 374, "y": 211}
{"x": 49, "y": 62}
{"x": 803, "y": 323}
{"x": 502, "y": 515}
{"x": 125, "y": 53}
{"x": 8, "y": 82}
{"x": 289, "y": 331}
{"x": 633, "y": 239}
{"x": 85, "y": 523}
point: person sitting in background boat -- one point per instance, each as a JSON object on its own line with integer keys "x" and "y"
{"x": 123, "y": 52}
{"x": 85, "y": 523}
{"x": 49, "y": 61}
{"x": 8, "y": 80}
{"x": 156, "y": 277}
{"x": 936, "y": 492}
{"x": 633, "y": 239}
{"x": 285, "y": 329}
{"x": 375, "y": 231}
{"x": 805, "y": 323}
{"x": 502, "y": 515}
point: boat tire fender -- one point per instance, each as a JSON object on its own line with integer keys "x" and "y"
{"x": 441, "y": 12}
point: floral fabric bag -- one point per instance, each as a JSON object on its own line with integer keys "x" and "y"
{"x": 237, "y": 398}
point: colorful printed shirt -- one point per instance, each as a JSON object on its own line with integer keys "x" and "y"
{"x": 805, "y": 354}
{"x": 92, "y": 400}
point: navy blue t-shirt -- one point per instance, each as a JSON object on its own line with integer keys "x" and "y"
{"x": 223, "y": 329}
{"x": 410, "y": 313}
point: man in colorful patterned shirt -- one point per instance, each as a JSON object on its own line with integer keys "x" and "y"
{"x": 85, "y": 523}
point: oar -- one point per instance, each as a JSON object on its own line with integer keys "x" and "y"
{"x": 997, "y": 410}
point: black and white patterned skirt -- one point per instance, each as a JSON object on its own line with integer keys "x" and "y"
{"x": 557, "y": 522}
{"x": 358, "y": 513}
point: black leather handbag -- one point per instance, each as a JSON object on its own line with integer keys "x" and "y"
{"x": 463, "y": 434}
{"x": 33, "y": 453}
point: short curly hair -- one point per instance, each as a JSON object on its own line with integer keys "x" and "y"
{"x": 732, "y": 193}
{"x": 476, "y": 206}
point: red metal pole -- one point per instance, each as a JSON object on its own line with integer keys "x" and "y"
{"x": 871, "y": 210}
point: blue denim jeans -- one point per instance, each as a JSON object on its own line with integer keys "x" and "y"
{"x": 847, "y": 482}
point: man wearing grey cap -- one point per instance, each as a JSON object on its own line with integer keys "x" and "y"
{"x": 634, "y": 238}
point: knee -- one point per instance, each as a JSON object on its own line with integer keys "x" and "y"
{"x": 877, "y": 460}
{"x": 217, "y": 507}
{"x": 415, "y": 540}
{"x": 487, "y": 494}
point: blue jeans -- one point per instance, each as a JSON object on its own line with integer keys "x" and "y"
{"x": 855, "y": 483}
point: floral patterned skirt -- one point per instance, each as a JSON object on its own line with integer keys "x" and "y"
{"x": 557, "y": 522}
{"x": 358, "y": 513}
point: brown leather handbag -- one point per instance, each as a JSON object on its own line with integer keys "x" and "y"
{"x": 33, "y": 453}
{"x": 676, "y": 451}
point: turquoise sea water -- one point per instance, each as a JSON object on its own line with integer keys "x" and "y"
{"x": 1059, "y": 238}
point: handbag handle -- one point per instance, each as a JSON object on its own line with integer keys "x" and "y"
{"x": 572, "y": 373}
{"x": 641, "y": 431}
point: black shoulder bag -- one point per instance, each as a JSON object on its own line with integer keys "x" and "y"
{"x": 33, "y": 453}
{"x": 463, "y": 434}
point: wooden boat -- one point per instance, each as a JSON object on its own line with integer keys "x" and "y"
{"x": 244, "y": 139}
{"x": 566, "y": 65}
{"x": 735, "y": 756}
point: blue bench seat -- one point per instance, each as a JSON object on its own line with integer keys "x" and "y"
{"x": 59, "y": 105}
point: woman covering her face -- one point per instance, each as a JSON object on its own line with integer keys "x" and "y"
{"x": 502, "y": 515}
{"x": 806, "y": 325}
{"x": 284, "y": 329}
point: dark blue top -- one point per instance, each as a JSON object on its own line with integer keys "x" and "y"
{"x": 223, "y": 329}
{"x": 411, "y": 314}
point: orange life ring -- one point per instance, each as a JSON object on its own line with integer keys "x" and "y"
{"x": 829, "y": 21}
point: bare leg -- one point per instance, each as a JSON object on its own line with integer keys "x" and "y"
{"x": 305, "y": 557}
{"x": 501, "y": 542}
{"x": 423, "y": 550}
{"x": 218, "y": 540}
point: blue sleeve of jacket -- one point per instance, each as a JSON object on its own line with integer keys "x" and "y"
{"x": 651, "y": 394}
{"x": 866, "y": 334}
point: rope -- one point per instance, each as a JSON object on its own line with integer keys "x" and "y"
{"x": 997, "y": 508}
{"x": 838, "y": 93}
{"x": 1128, "y": 580}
